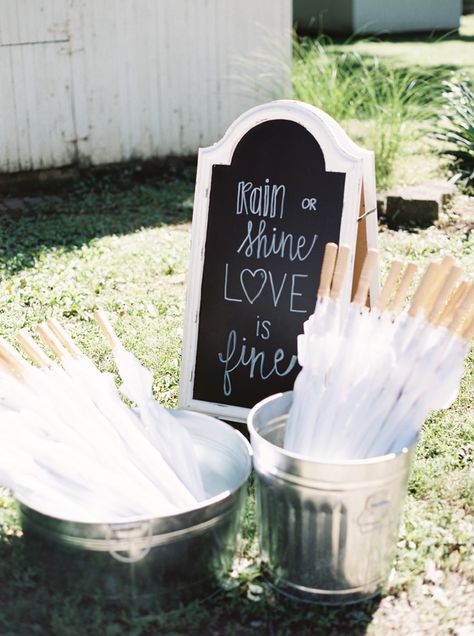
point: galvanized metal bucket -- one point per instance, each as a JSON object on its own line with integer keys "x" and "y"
{"x": 327, "y": 531}
{"x": 173, "y": 558}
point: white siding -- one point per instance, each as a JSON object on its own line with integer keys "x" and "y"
{"x": 100, "y": 81}
{"x": 376, "y": 16}
{"x": 36, "y": 124}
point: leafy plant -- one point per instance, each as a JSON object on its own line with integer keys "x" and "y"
{"x": 458, "y": 120}
{"x": 374, "y": 100}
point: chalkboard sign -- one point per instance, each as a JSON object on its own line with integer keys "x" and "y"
{"x": 262, "y": 220}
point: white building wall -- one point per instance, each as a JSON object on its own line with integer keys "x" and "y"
{"x": 100, "y": 81}
{"x": 377, "y": 16}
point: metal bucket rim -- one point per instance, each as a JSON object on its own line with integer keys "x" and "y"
{"x": 306, "y": 458}
{"x": 210, "y": 501}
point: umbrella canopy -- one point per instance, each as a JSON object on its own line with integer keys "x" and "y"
{"x": 70, "y": 446}
{"x": 388, "y": 368}
{"x": 165, "y": 432}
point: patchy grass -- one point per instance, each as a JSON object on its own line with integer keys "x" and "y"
{"x": 452, "y": 51}
{"x": 123, "y": 245}
{"x": 388, "y": 94}
{"x": 378, "y": 100}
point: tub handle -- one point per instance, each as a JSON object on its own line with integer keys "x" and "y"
{"x": 138, "y": 537}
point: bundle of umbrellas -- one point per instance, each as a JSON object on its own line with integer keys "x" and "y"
{"x": 369, "y": 378}
{"x": 71, "y": 447}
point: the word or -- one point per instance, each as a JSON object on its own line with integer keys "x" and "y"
{"x": 309, "y": 204}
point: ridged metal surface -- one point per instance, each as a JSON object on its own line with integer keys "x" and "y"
{"x": 174, "y": 558}
{"x": 327, "y": 531}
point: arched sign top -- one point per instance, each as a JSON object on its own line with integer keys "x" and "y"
{"x": 251, "y": 146}
{"x": 336, "y": 145}
{"x": 283, "y": 181}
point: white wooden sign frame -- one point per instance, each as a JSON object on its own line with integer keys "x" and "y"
{"x": 341, "y": 154}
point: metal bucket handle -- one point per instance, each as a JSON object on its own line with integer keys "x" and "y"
{"x": 130, "y": 532}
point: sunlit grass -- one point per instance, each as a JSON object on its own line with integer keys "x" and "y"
{"x": 127, "y": 250}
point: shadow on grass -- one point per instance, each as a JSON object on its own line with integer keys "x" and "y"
{"x": 42, "y": 591}
{"x": 415, "y": 37}
{"x": 117, "y": 202}
{"x": 33, "y": 604}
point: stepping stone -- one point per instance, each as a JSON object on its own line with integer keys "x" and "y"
{"x": 418, "y": 205}
{"x": 14, "y": 205}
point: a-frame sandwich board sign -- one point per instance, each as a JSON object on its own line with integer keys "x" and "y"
{"x": 283, "y": 181}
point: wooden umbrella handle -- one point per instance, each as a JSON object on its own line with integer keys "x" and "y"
{"x": 389, "y": 285}
{"x": 447, "y": 314}
{"x": 64, "y": 338}
{"x": 106, "y": 328}
{"x": 340, "y": 269}
{"x": 402, "y": 291}
{"x": 366, "y": 275}
{"x": 33, "y": 350}
{"x": 327, "y": 270}
{"x": 468, "y": 329}
{"x": 423, "y": 290}
{"x": 14, "y": 363}
{"x": 50, "y": 340}
{"x": 443, "y": 294}
{"x": 463, "y": 310}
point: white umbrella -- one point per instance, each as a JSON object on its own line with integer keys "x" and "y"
{"x": 316, "y": 350}
{"x": 43, "y": 431}
{"x": 63, "y": 412}
{"x": 389, "y": 368}
{"x": 100, "y": 388}
{"x": 166, "y": 433}
{"x": 346, "y": 369}
{"x": 419, "y": 349}
{"x": 378, "y": 359}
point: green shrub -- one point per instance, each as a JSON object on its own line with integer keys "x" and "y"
{"x": 356, "y": 88}
{"x": 458, "y": 123}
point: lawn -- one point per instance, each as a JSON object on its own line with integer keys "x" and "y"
{"x": 121, "y": 243}
{"x": 452, "y": 50}
{"x": 388, "y": 93}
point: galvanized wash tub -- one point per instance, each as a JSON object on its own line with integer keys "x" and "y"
{"x": 173, "y": 558}
{"x": 327, "y": 531}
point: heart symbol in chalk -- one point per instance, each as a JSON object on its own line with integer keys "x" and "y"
{"x": 252, "y": 283}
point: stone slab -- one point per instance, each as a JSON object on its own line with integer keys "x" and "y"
{"x": 418, "y": 205}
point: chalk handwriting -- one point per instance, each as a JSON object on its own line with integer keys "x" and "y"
{"x": 250, "y": 284}
{"x": 229, "y": 298}
{"x": 239, "y": 355}
{"x": 262, "y": 329}
{"x": 309, "y": 204}
{"x": 267, "y": 200}
{"x": 260, "y": 243}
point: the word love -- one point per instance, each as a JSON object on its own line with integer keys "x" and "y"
{"x": 247, "y": 285}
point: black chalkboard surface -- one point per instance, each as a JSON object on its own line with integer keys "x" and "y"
{"x": 271, "y": 212}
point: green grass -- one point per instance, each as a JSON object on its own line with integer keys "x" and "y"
{"x": 452, "y": 51}
{"x": 377, "y": 102}
{"x": 388, "y": 94}
{"x": 122, "y": 244}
